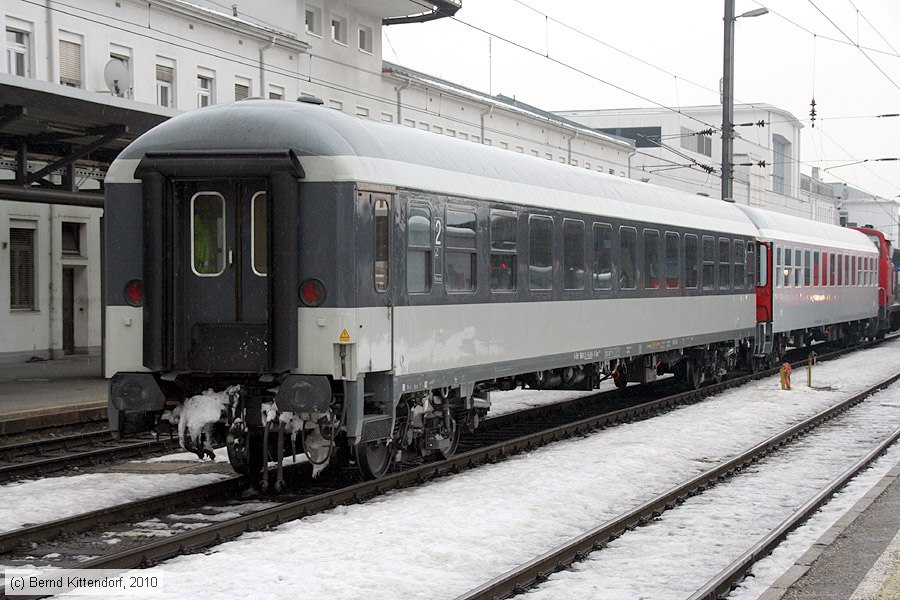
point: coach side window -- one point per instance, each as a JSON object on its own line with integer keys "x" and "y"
{"x": 503, "y": 251}
{"x": 817, "y": 260}
{"x": 651, "y": 259}
{"x": 751, "y": 263}
{"x": 740, "y": 260}
{"x": 691, "y": 257}
{"x": 788, "y": 267}
{"x": 540, "y": 253}
{"x": 724, "y": 263}
{"x": 602, "y": 256}
{"x": 627, "y": 258}
{"x": 779, "y": 268}
{"x": 573, "y": 254}
{"x": 798, "y": 266}
{"x": 807, "y": 268}
{"x": 673, "y": 264}
{"x": 461, "y": 256}
{"x": 709, "y": 262}
{"x": 418, "y": 251}
{"x": 382, "y": 245}
{"x": 832, "y": 278}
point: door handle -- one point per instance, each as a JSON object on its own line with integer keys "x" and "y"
{"x": 230, "y": 257}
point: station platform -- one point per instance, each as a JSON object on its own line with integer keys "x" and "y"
{"x": 856, "y": 559}
{"x": 49, "y": 393}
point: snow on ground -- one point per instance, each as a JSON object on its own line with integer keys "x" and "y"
{"x": 31, "y": 502}
{"x": 442, "y": 539}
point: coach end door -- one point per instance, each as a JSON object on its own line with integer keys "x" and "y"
{"x": 222, "y": 318}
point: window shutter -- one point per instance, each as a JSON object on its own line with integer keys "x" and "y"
{"x": 69, "y": 63}
{"x": 241, "y": 91}
{"x": 21, "y": 272}
{"x": 164, "y": 73}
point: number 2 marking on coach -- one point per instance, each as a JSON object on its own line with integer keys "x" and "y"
{"x": 438, "y": 230}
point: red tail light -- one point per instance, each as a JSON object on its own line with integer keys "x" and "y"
{"x": 134, "y": 292}
{"x": 312, "y": 292}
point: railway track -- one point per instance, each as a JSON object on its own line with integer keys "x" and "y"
{"x": 38, "y": 457}
{"x": 540, "y": 569}
{"x": 87, "y": 536}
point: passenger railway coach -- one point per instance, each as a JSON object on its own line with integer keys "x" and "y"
{"x": 366, "y": 286}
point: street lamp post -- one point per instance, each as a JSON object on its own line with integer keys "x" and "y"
{"x": 728, "y": 96}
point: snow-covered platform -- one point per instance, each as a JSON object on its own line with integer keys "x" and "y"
{"x": 51, "y": 392}
{"x": 857, "y": 559}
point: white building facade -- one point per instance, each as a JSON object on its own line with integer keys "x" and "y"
{"x": 168, "y": 56}
{"x": 683, "y": 150}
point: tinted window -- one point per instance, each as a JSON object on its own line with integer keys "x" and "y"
{"x": 573, "y": 254}
{"x": 724, "y": 263}
{"x": 540, "y": 253}
{"x": 651, "y": 259}
{"x": 382, "y": 245}
{"x": 418, "y": 253}
{"x": 602, "y": 256}
{"x": 627, "y": 258}
{"x": 740, "y": 260}
{"x": 461, "y": 258}
{"x": 691, "y": 261}
{"x": 673, "y": 264}
{"x": 503, "y": 250}
{"x": 709, "y": 263}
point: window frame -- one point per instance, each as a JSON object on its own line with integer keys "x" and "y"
{"x": 450, "y": 249}
{"x": 595, "y": 272}
{"x": 579, "y": 225}
{"x": 650, "y": 260}
{"x": 632, "y": 231}
{"x": 221, "y": 233}
{"x": 533, "y": 218}
{"x": 499, "y": 253}
{"x": 427, "y": 250}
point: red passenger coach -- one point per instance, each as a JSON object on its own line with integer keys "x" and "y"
{"x": 887, "y": 282}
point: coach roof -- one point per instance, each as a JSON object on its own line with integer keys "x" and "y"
{"x": 333, "y": 146}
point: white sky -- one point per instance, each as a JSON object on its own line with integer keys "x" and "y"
{"x": 776, "y": 62}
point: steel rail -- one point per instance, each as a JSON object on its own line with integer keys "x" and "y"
{"x": 731, "y": 575}
{"x": 52, "y": 443}
{"x": 538, "y": 569}
{"x": 88, "y": 457}
{"x": 356, "y": 493}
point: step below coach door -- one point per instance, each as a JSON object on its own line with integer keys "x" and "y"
{"x": 223, "y": 322}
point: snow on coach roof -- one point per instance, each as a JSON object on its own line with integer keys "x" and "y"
{"x": 333, "y": 146}
{"x": 787, "y": 228}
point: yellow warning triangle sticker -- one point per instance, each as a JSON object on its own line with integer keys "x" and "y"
{"x": 345, "y": 337}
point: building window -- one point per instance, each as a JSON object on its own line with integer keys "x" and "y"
{"x": 339, "y": 29}
{"x": 165, "y": 85}
{"x": 781, "y": 165}
{"x": 18, "y": 56}
{"x": 71, "y": 238}
{"x": 120, "y": 74}
{"x": 540, "y": 253}
{"x": 573, "y": 255}
{"x": 241, "y": 88}
{"x": 205, "y": 90}
{"x": 503, "y": 251}
{"x": 461, "y": 257}
{"x": 277, "y": 93}
{"x": 313, "y": 20}
{"x": 643, "y": 137}
{"x": 365, "y": 39}
{"x": 21, "y": 269}
{"x": 691, "y": 140}
{"x": 70, "y": 63}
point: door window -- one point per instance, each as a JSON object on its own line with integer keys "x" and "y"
{"x": 260, "y": 234}
{"x": 208, "y": 234}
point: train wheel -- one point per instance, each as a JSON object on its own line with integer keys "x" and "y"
{"x": 459, "y": 420}
{"x": 374, "y": 459}
{"x": 245, "y": 452}
{"x": 693, "y": 376}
